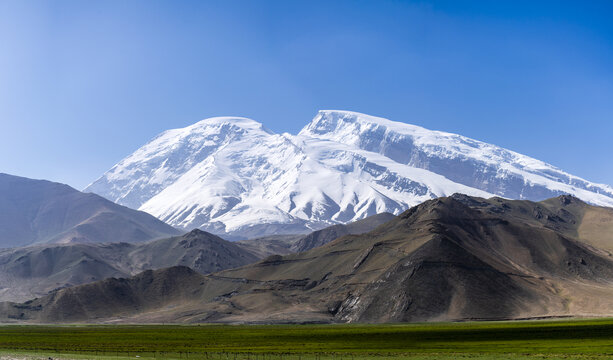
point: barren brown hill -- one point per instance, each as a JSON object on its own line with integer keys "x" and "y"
{"x": 450, "y": 258}
{"x": 33, "y": 271}
{"x": 114, "y": 298}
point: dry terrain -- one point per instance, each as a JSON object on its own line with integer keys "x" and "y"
{"x": 454, "y": 258}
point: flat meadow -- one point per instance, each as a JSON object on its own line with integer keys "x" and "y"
{"x": 557, "y": 339}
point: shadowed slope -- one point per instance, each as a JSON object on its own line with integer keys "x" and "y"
{"x": 115, "y": 297}
{"x": 34, "y": 271}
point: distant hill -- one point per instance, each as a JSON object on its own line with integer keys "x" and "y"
{"x": 453, "y": 258}
{"x": 39, "y": 211}
{"x": 287, "y": 244}
{"x": 148, "y": 291}
{"x": 331, "y": 233}
{"x": 33, "y": 271}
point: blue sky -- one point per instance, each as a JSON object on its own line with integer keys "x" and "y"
{"x": 85, "y": 83}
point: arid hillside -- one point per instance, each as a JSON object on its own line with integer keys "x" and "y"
{"x": 452, "y": 258}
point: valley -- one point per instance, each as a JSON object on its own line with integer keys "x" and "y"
{"x": 520, "y": 340}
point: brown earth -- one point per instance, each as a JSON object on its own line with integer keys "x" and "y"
{"x": 34, "y": 271}
{"x": 453, "y": 258}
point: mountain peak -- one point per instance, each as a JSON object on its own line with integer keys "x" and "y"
{"x": 229, "y": 175}
{"x": 241, "y": 122}
{"x": 327, "y": 122}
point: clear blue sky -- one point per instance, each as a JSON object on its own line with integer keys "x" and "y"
{"x": 85, "y": 83}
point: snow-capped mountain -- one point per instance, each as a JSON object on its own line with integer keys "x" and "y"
{"x": 231, "y": 175}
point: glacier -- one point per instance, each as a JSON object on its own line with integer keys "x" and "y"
{"x": 233, "y": 177}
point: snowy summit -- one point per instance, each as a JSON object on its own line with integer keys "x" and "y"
{"x": 232, "y": 176}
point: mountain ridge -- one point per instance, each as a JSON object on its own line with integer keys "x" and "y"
{"x": 34, "y": 271}
{"x": 41, "y": 211}
{"x": 448, "y": 259}
{"x": 233, "y": 177}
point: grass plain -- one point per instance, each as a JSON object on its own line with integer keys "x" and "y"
{"x": 559, "y": 339}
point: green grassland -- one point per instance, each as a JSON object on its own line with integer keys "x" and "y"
{"x": 576, "y": 339}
